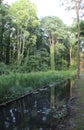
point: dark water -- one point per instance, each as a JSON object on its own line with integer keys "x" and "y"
{"x": 39, "y": 110}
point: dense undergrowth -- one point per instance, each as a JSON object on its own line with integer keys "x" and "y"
{"x": 14, "y": 85}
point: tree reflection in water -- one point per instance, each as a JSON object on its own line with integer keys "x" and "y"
{"x": 44, "y": 109}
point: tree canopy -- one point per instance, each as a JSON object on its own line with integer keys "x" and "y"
{"x": 29, "y": 43}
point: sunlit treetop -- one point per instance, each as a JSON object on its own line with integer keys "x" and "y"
{"x": 23, "y": 11}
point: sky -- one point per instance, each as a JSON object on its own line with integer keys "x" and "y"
{"x": 51, "y": 8}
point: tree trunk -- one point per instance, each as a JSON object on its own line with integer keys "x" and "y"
{"x": 26, "y": 58}
{"x": 78, "y": 24}
{"x": 18, "y": 47}
{"x": 8, "y": 51}
{"x": 71, "y": 55}
{"x": 1, "y": 42}
{"x": 52, "y": 59}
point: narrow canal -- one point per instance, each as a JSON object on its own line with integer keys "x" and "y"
{"x": 43, "y": 109}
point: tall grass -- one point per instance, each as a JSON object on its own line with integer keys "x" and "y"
{"x": 16, "y": 84}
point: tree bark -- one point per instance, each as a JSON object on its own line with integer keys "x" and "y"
{"x": 70, "y": 55}
{"x": 1, "y": 42}
{"x": 78, "y": 27}
{"x": 8, "y": 51}
{"x": 52, "y": 59}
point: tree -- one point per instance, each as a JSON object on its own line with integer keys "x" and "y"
{"x": 55, "y": 30}
{"x": 76, "y": 5}
{"x": 74, "y": 29}
{"x": 1, "y": 1}
{"x": 23, "y": 43}
{"x": 2, "y": 24}
{"x": 4, "y": 33}
{"x": 23, "y": 14}
{"x": 72, "y": 44}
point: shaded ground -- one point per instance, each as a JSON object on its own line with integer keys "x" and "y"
{"x": 76, "y": 119}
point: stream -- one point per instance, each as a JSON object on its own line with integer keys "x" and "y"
{"x": 44, "y": 109}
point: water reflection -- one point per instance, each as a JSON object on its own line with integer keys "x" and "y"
{"x": 39, "y": 110}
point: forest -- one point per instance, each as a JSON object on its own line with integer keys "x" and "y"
{"x": 32, "y": 47}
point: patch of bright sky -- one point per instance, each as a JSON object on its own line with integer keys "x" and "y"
{"x": 51, "y": 8}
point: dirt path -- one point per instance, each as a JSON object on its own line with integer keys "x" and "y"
{"x": 76, "y": 120}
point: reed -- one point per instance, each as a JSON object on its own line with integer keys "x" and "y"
{"x": 17, "y": 84}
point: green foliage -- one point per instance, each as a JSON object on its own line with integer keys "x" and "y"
{"x": 4, "y": 69}
{"x": 23, "y": 12}
{"x": 59, "y": 49}
{"x": 52, "y": 61}
{"x": 39, "y": 61}
{"x": 54, "y": 26}
{"x": 29, "y": 44}
{"x": 60, "y": 60}
{"x": 24, "y": 19}
{"x": 57, "y": 35}
{"x": 17, "y": 84}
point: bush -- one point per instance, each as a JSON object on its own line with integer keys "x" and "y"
{"x": 4, "y": 69}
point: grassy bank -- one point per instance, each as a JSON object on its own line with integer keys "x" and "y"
{"x": 76, "y": 121}
{"x": 79, "y": 118}
{"x": 16, "y": 84}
